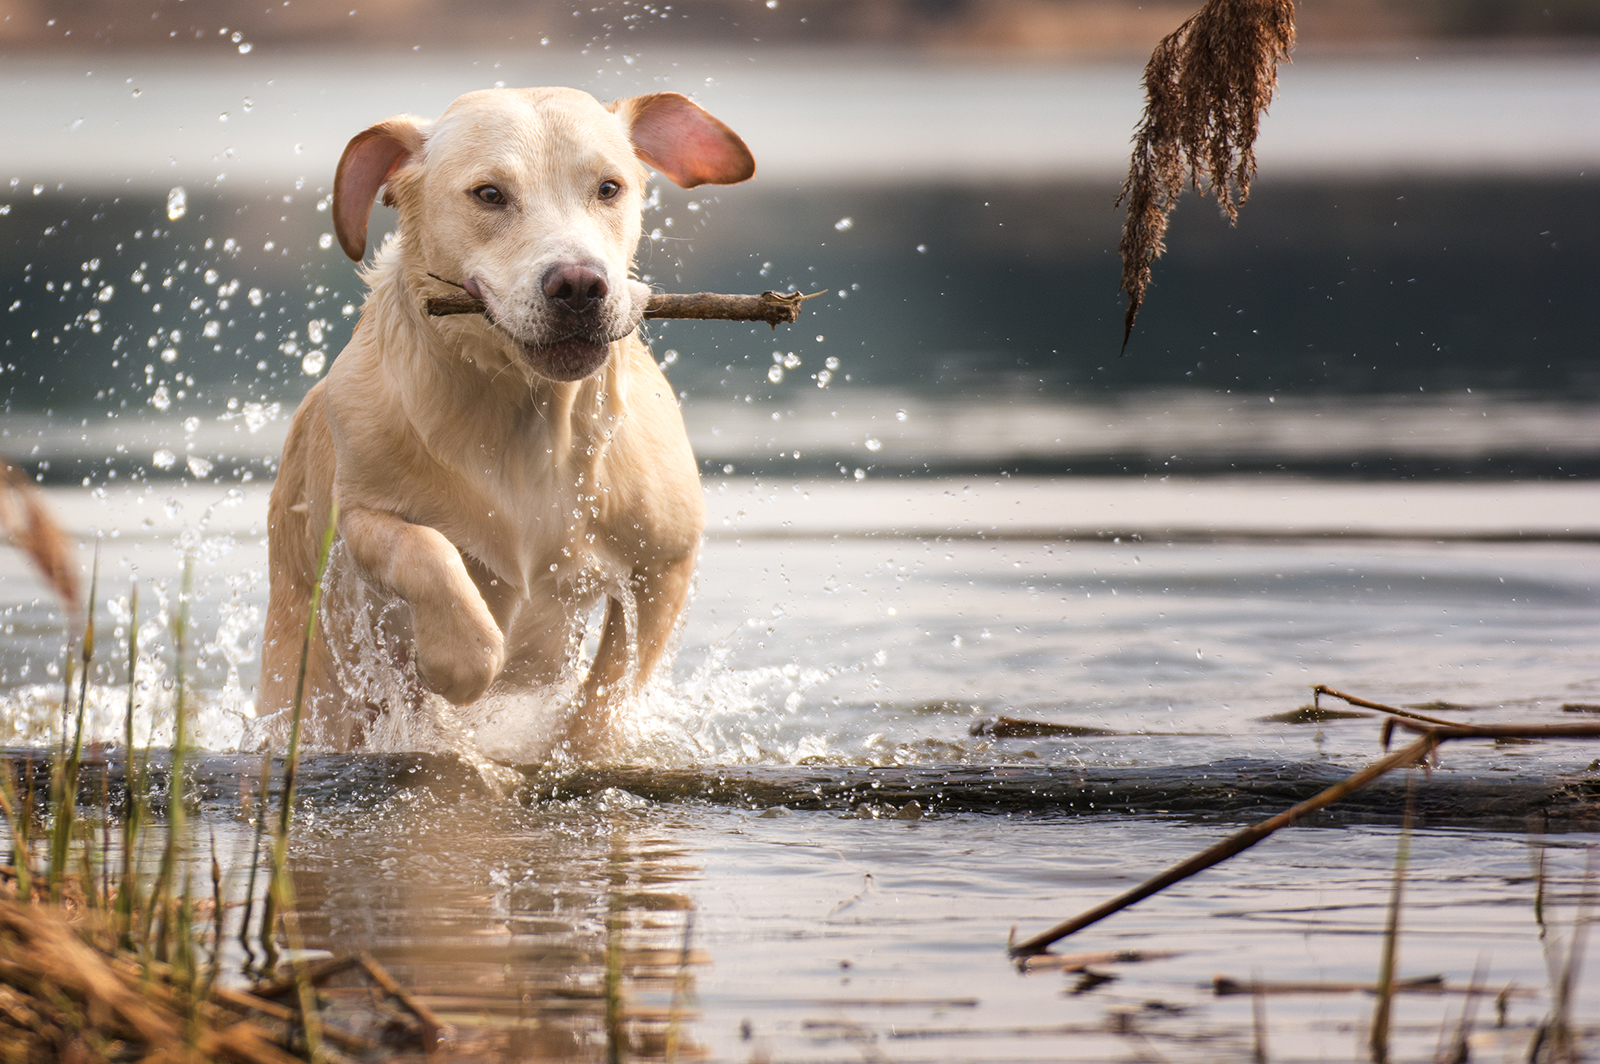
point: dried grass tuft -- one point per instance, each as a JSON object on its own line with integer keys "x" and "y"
{"x": 32, "y": 529}
{"x": 1206, "y": 86}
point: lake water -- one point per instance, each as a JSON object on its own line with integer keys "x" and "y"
{"x": 803, "y": 803}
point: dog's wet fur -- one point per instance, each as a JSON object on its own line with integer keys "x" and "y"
{"x": 496, "y": 475}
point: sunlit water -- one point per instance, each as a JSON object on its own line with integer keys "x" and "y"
{"x": 822, "y": 636}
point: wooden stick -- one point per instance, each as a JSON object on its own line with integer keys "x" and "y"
{"x": 316, "y": 972}
{"x": 774, "y": 308}
{"x": 1506, "y": 731}
{"x": 431, "y": 1027}
{"x": 1431, "y": 736}
{"x": 1323, "y": 689}
{"x": 1228, "y": 847}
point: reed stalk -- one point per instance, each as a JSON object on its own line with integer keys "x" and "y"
{"x": 133, "y": 787}
{"x": 680, "y": 992}
{"x": 172, "y": 852}
{"x": 262, "y": 788}
{"x": 1378, "y": 1042}
{"x": 64, "y": 781}
{"x": 278, "y": 887}
{"x": 616, "y": 1037}
{"x": 19, "y": 833}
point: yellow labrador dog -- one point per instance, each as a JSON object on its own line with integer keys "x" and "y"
{"x": 496, "y": 475}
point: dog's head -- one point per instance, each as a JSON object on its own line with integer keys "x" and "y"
{"x": 531, "y": 200}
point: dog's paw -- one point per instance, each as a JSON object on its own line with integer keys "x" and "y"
{"x": 459, "y": 649}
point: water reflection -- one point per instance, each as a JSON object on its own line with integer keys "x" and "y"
{"x": 560, "y": 927}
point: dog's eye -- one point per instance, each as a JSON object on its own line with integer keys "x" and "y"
{"x": 609, "y": 189}
{"x": 490, "y": 194}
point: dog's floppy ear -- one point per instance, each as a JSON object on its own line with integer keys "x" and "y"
{"x": 684, "y": 141}
{"x": 368, "y": 160}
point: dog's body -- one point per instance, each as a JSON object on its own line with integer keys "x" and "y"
{"x": 495, "y": 476}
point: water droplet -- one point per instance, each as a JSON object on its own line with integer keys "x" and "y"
{"x": 874, "y": 444}
{"x": 248, "y": 104}
{"x": 169, "y": 354}
{"x": 244, "y": 49}
{"x": 163, "y": 459}
{"x": 325, "y": 241}
{"x": 775, "y": 374}
{"x": 844, "y": 223}
{"x": 199, "y": 466}
{"x": 223, "y": 117}
{"x": 899, "y": 415}
{"x": 177, "y": 203}
{"x": 313, "y": 362}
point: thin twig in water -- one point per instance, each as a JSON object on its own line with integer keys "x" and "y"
{"x": 1206, "y": 87}
{"x": 1430, "y": 736}
{"x": 1233, "y": 844}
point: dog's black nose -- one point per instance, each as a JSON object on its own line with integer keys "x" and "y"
{"x": 578, "y": 288}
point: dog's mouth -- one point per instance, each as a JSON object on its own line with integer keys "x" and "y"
{"x": 571, "y": 359}
{"x": 578, "y": 354}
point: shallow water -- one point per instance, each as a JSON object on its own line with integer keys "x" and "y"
{"x": 872, "y": 925}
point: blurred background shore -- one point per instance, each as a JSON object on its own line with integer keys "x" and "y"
{"x": 1409, "y": 292}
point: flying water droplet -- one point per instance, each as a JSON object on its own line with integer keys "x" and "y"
{"x": 177, "y": 203}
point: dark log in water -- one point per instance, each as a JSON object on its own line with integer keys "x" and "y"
{"x": 1236, "y": 788}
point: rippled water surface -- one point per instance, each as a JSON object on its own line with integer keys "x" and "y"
{"x": 761, "y": 853}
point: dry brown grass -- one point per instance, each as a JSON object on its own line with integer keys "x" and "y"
{"x": 1206, "y": 86}
{"x": 32, "y": 530}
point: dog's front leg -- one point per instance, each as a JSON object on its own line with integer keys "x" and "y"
{"x": 622, "y": 666}
{"x": 460, "y": 648}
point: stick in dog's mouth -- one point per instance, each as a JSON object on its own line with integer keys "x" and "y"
{"x": 774, "y": 308}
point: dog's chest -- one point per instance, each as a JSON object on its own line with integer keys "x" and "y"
{"x": 530, "y": 517}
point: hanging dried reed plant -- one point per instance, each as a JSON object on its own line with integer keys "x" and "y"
{"x": 27, "y": 522}
{"x": 1206, "y": 86}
